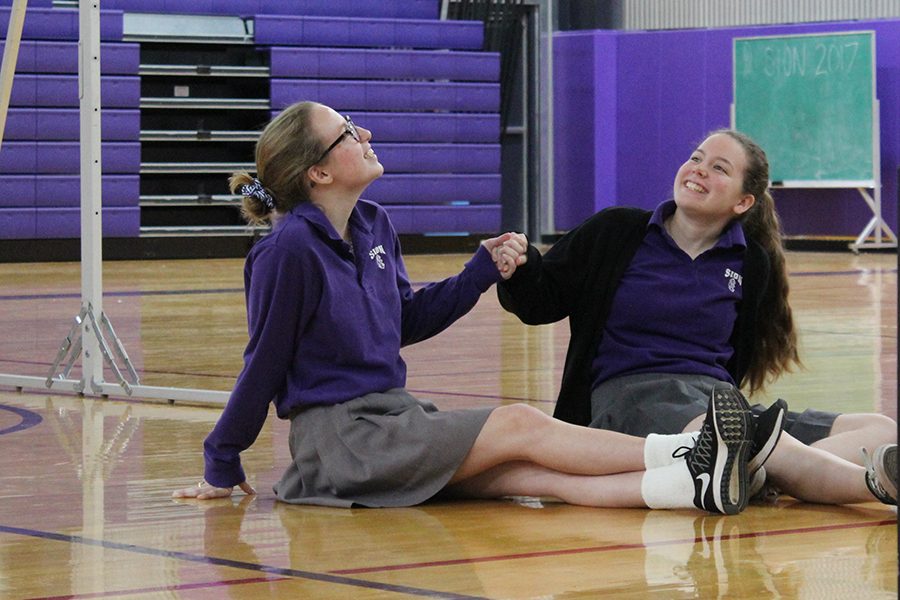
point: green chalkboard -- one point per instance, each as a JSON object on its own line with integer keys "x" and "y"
{"x": 809, "y": 101}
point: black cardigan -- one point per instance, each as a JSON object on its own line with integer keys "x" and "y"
{"x": 578, "y": 278}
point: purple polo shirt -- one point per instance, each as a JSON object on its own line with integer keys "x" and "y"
{"x": 327, "y": 321}
{"x": 672, "y": 314}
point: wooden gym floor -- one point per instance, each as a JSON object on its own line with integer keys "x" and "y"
{"x": 85, "y": 484}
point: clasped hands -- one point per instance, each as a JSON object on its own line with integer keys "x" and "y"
{"x": 508, "y": 251}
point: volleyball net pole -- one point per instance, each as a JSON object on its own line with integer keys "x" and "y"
{"x": 91, "y": 337}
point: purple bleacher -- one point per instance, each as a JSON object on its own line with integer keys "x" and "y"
{"x": 17, "y": 223}
{"x": 65, "y": 190}
{"x": 18, "y": 157}
{"x": 484, "y": 218}
{"x": 438, "y": 158}
{"x": 397, "y": 9}
{"x": 31, "y": 3}
{"x": 63, "y": 124}
{"x": 428, "y": 127}
{"x": 62, "y": 24}
{"x": 62, "y": 57}
{"x": 59, "y": 222}
{"x": 435, "y": 188}
{"x": 387, "y": 95}
{"x": 116, "y": 91}
{"x": 320, "y": 31}
{"x": 18, "y": 191}
{"x": 64, "y": 157}
{"x": 350, "y": 63}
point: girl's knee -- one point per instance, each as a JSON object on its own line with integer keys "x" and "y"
{"x": 876, "y": 428}
{"x": 521, "y": 418}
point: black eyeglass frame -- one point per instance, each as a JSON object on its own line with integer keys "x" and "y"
{"x": 349, "y": 129}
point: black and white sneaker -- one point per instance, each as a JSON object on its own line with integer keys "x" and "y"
{"x": 767, "y": 428}
{"x": 881, "y": 473}
{"x": 718, "y": 460}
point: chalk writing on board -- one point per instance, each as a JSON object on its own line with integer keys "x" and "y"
{"x": 798, "y": 59}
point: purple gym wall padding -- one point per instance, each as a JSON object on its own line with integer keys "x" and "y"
{"x": 646, "y": 99}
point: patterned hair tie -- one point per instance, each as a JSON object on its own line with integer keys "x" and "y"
{"x": 257, "y": 191}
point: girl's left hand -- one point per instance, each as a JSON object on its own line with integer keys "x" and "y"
{"x": 205, "y": 491}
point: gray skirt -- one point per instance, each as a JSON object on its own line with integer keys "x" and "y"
{"x": 378, "y": 450}
{"x": 664, "y": 403}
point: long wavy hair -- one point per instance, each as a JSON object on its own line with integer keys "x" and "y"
{"x": 775, "y": 346}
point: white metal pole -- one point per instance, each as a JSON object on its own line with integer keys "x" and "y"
{"x": 10, "y": 54}
{"x": 91, "y": 204}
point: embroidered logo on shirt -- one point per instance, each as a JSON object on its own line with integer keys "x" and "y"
{"x": 375, "y": 254}
{"x": 734, "y": 279}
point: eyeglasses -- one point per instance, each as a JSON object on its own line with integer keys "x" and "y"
{"x": 349, "y": 129}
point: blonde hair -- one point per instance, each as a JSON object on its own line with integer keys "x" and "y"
{"x": 286, "y": 148}
{"x": 775, "y": 345}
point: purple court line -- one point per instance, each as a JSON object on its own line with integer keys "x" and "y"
{"x": 417, "y": 391}
{"x": 167, "y": 588}
{"x": 611, "y": 548}
{"x": 234, "y": 564}
{"x": 123, "y": 293}
{"x": 29, "y": 419}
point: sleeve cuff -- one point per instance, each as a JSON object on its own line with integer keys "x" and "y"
{"x": 482, "y": 269}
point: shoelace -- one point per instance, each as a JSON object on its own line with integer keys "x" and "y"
{"x": 701, "y": 453}
{"x": 872, "y": 480}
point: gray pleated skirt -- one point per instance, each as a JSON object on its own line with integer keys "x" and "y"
{"x": 378, "y": 450}
{"x": 664, "y": 403}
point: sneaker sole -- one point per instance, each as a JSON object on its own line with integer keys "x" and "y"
{"x": 730, "y": 476}
{"x": 881, "y": 470}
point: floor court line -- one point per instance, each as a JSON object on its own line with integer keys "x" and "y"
{"x": 224, "y": 562}
{"x": 611, "y": 548}
{"x": 232, "y": 375}
{"x": 29, "y": 419}
{"x": 170, "y": 588}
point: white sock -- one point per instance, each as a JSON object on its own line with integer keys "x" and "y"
{"x": 658, "y": 449}
{"x": 668, "y": 487}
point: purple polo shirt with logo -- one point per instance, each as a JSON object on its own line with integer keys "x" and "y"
{"x": 672, "y": 314}
{"x": 327, "y": 320}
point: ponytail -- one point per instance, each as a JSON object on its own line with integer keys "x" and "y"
{"x": 286, "y": 148}
{"x": 775, "y": 345}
